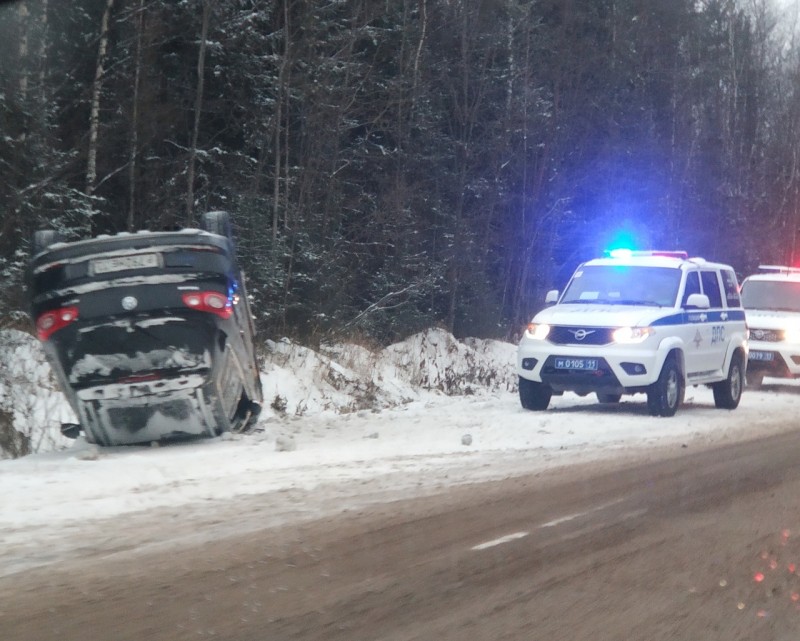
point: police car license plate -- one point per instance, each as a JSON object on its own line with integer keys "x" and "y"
{"x": 757, "y": 355}
{"x": 121, "y": 263}
{"x": 576, "y": 363}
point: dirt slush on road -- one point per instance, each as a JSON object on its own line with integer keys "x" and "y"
{"x": 699, "y": 545}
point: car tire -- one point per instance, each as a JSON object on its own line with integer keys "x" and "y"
{"x": 217, "y": 222}
{"x": 43, "y": 238}
{"x": 533, "y": 395}
{"x": 728, "y": 393}
{"x": 608, "y": 398}
{"x": 666, "y": 394}
{"x": 755, "y": 379}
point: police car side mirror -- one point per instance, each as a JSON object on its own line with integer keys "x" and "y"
{"x": 698, "y": 301}
{"x": 552, "y": 297}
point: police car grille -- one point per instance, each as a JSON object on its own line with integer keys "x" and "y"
{"x": 766, "y": 335}
{"x": 576, "y": 335}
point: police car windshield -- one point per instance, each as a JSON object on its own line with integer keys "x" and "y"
{"x": 778, "y": 296}
{"x": 624, "y": 285}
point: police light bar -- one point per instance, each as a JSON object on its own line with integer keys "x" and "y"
{"x": 780, "y": 268}
{"x": 627, "y": 253}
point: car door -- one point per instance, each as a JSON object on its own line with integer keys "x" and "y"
{"x": 714, "y": 329}
{"x": 733, "y": 317}
{"x": 692, "y": 328}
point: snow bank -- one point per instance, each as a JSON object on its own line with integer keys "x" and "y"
{"x": 30, "y": 400}
{"x": 297, "y": 381}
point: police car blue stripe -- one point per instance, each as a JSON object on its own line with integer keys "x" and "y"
{"x": 701, "y": 316}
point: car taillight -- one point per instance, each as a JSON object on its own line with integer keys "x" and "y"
{"x": 50, "y": 322}
{"x": 212, "y": 302}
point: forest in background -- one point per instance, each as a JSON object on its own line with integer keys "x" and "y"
{"x": 392, "y": 165}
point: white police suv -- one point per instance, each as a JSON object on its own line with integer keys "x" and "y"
{"x": 638, "y": 322}
{"x": 771, "y": 299}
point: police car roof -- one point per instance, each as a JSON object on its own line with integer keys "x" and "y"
{"x": 674, "y": 260}
{"x": 777, "y": 273}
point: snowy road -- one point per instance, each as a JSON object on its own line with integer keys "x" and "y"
{"x": 703, "y": 544}
{"x": 63, "y": 506}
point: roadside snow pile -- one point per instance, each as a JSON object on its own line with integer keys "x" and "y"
{"x": 297, "y": 381}
{"x": 435, "y": 360}
{"x": 345, "y": 377}
{"x": 31, "y": 406}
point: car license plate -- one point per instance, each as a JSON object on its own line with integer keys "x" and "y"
{"x": 757, "y": 355}
{"x": 121, "y": 263}
{"x": 589, "y": 364}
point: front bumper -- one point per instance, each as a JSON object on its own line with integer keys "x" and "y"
{"x": 774, "y": 359}
{"x": 610, "y": 369}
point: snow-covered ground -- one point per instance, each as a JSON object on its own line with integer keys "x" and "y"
{"x": 343, "y": 427}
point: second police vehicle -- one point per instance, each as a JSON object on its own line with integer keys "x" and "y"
{"x": 772, "y": 300}
{"x": 638, "y": 322}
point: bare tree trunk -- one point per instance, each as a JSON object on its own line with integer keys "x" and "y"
{"x": 43, "y": 56}
{"x": 276, "y": 187}
{"x": 198, "y": 105}
{"x": 94, "y": 116}
{"x": 133, "y": 151}
{"x": 23, "y": 13}
{"x": 418, "y": 55}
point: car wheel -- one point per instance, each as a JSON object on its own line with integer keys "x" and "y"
{"x": 666, "y": 394}
{"x": 43, "y": 238}
{"x": 533, "y": 395}
{"x": 755, "y": 379}
{"x": 217, "y": 222}
{"x": 728, "y": 393}
{"x": 608, "y": 398}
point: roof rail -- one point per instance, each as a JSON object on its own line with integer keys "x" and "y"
{"x": 780, "y": 268}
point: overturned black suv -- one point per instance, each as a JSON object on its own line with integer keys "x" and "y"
{"x": 149, "y": 334}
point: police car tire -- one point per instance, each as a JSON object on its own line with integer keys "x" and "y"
{"x": 608, "y": 398}
{"x": 534, "y": 396}
{"x": 660, "y": 400}
{"x": 728, "y": 393}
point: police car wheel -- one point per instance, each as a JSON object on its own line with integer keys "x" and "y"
{"x": 608, "y": 398}
{"x": 665, "y": 395}
{"x": 728, "y": 393}
{"x": 534, "y": 396}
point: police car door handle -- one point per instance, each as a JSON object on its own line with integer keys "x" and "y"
{"x": 724, "y": 315}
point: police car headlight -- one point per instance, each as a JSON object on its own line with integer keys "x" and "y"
{"x": 539, "y": 331}
{"x": 632, "y": 334}
{"x": 792, "y": 334}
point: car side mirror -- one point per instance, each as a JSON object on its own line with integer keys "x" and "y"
{"x": 552, "y": 297}
{"x": 698, "y": 301}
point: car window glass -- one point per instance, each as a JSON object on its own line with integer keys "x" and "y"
{"x": 711, "y": 287}
{"x": 692, "y": 286}
{"x": 731, "y": 288}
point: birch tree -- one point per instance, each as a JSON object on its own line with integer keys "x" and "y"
{"x": 198, "y": 107}
{"x": 97, "y": 89}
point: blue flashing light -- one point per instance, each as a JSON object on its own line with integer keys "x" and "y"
{"x": 620, "y": 253}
